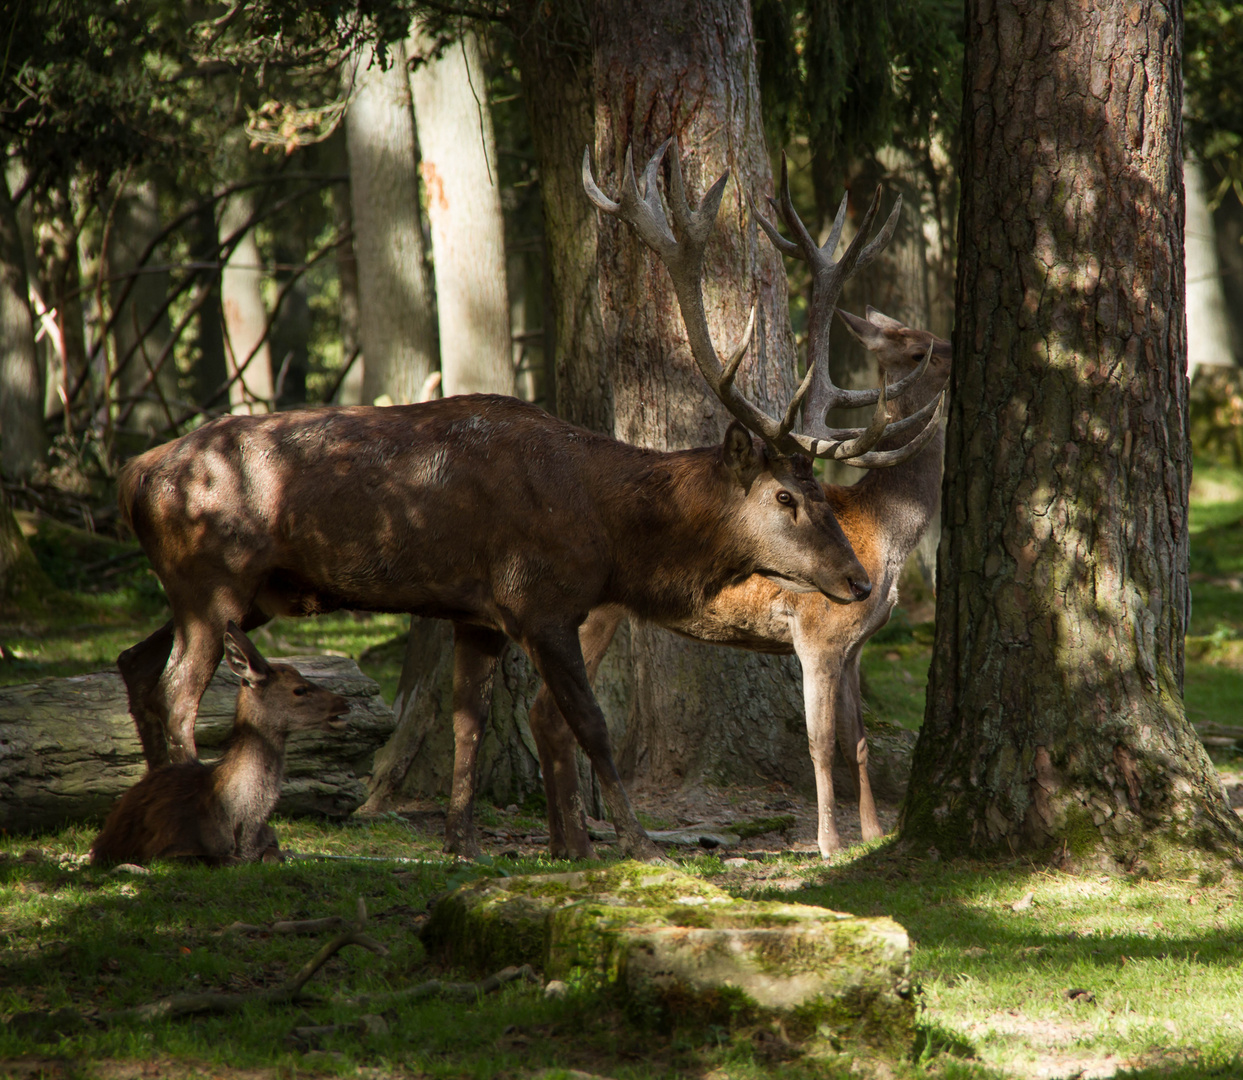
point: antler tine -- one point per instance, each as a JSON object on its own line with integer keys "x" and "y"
{"x": 647, "y": 220}
{"x": 740, "y": 350}
{"x": 849, "y": 262}
{"x": 786, "y": 247}
{"x": 694, "y": 224}
{"x": 839, "y": 223}
{"x": 882, "y": 238}
{"x": 811, "y": 252}
{"x": 684, "y": 258}
{"x": 831, "y": 445}
{"x": 897, "y": 427}
{"x": 883, "y": 459}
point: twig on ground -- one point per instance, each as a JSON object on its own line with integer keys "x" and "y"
{"x": 287, "y": 926}
{"x": 454, "y": 991}
{"x": 220, "y": 1002}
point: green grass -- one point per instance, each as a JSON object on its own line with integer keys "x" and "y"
{"x": 1158, "y": 958}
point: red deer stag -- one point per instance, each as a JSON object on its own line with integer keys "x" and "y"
{"x": 483, "y": 510}
{"x": 218, "y": 813}
{"x": 884, "y": 515}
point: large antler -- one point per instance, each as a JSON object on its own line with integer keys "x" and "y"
{"x": 683, "y": 256}
{"x": 828, "y": 277}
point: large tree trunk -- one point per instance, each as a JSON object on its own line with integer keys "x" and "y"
{"x": 1054, "y": 719}
{"x": 135, "y": 223}
{"x": 245, "y": 313}
{"x": 464, "y": 206}
{"x": 688, "y": 69}
{"x": 397, "y": 324}
{"x": 23, "y": 439}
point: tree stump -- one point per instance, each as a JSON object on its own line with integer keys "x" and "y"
{"x": 69, "y": 749}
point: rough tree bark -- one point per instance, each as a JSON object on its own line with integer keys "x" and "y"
{"x": 458, "y": 166}
{"x": 23, "y": 439}
{"x": 397, "y": 324}
{"x": 688, "y": 69}
{"x": 1054, "y": 719}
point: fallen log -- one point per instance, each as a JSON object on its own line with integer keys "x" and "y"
{"x": 68, "y": 747}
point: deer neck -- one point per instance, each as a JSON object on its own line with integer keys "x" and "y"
{"x": 673, "y": 548}
{"x": 899, "y": 502}
{"x": 249, "y": 774}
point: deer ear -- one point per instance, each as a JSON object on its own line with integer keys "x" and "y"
{"x": 245, "y": 661}
{"x": 879, "y": 318}
{"x": 740, "y": 454}
{"x": 868, "y": 334}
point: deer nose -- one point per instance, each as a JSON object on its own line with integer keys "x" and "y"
{"x": 860, "y": 592}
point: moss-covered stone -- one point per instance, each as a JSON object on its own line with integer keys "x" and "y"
{"x": 677, "y": 949}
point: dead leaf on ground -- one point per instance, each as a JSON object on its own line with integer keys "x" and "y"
{"x": 1024, "y": 903}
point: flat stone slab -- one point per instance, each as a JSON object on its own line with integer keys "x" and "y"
{"x": 676, "y": 948}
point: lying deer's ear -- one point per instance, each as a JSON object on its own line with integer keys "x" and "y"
{"x": 740, "y": 455}
{"x": 245, "y": 661}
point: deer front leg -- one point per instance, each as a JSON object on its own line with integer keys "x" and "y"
{"x": 821, "y": 682}
{"x": 198, "y": 645}
{"x": 852, "y": 737}
{"x": 475, "y": 653}
{"x": 559, "y": 659}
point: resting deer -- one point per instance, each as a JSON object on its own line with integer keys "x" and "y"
{"x": 884, "y": 515}
{"x": 218, "y": 813}
{"x": 486, "y": 511}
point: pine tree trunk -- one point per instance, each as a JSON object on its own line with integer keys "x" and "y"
{"x": 245, "y": 314}
{"x": 688, "y": 69}
{"x": 1054, "y": 719}
{"x": 464, "y": 207}
{"x": 23, "y": 439}
{"x": 397, "y": 323}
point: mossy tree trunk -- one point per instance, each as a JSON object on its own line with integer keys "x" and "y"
{"x": 1055, "y": 718}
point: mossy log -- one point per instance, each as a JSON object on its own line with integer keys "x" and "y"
{"x": 69, "y": 749}
{"x": 679, "y": 950}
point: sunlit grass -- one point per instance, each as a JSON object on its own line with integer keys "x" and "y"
{"x": 1157, "y": 960}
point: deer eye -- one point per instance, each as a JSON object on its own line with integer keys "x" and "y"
{"x": 300, "y": 690}
{"x": 785, "y": 498}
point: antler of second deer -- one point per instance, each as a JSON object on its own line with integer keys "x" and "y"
{"x": 681, "y": 248}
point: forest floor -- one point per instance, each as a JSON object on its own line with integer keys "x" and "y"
{"x": 1023, "y": 971}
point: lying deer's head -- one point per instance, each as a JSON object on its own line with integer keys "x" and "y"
{"x": 276, "y": 698}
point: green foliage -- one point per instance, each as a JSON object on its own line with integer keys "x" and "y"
{"x": 1213, "y": 71}
{"x": 856, "y": 75}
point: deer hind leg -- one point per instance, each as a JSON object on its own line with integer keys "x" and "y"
{"x": 558, "y": 656}
{"x": 141, "y": 667}
{"x": 475, "y": 653}
{"x": 852, "y": 738}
